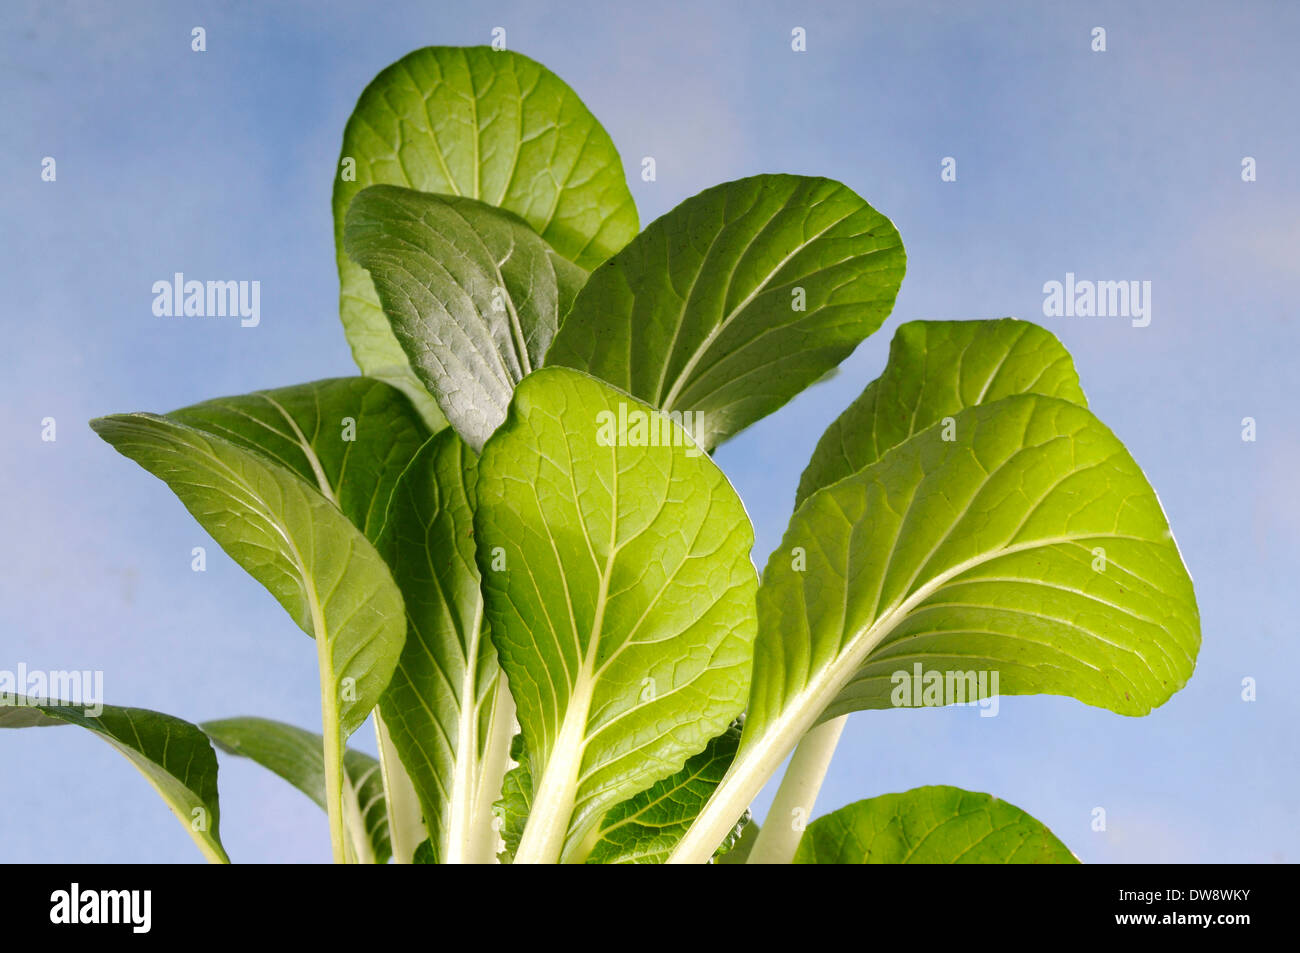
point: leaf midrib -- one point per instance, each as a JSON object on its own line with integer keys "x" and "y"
{"x": 317, "y": 468}
{"x": 763, "y": 753}
{"x": 678, "y": 385}
{"x": 860, "y": 645}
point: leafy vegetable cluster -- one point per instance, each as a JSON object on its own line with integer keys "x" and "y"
{"x": 512, "y": 547}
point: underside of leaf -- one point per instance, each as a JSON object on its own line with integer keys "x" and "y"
{"x": 174, "y": 756}
{"x": 736, "y": 300}
{"x": 618, "y": 591}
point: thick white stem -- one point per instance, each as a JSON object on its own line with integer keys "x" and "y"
{"x": 557, "y": 789}
{"x": 360, "y": 850}
{"x": 333, "y": 768}
{"x": 760, "y": 756}
{"x": 406, "y": 829}
{"x": 792, "y": 807}
{"x": 742, "y": 782}
{"x": 484, "y": 842}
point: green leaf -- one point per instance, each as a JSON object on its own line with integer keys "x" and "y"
{"x": 931, "y": 825}
{"x": 935, "y": 370}
{"x": 983, "y": 553}
{"x": 298, "y": 757}
{"x": 991, "y": 543}
{"x": 488, "y": 125}
{"x": 644, "y": 829}
{"x": 288, "y": 537}
{"x": 512, "y": 810}
{"x": 349, "y": 437}
{"x": 619, "y": 593}
{"x": 473, "y": 294}
{"x": 447, "y": 709}
{"x": 736, "y": 300}
{"x": 302, "y": 548}
{"x": 173, "y": 755}
{"x": 402, "y": 378}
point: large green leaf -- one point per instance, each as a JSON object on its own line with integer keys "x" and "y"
{"x": 1029, "y": 546}
{"x": 173, "y": 755}
{"x": 473, "y": 294}
{"x": 931, "y": 825}
{"x": 349, "y": 437}
{"x": 489, "y": 125}
{"x": 645, "y": 828}
{"x": 289, "y": 538}
{"x": 619, "y": 593}
{"x": 935, "y": 370}
{"x": 298, "y": 756}
{"x": 991, "y": 543}
{"x": 447, "y": 709}
{"x": 736, "y": 300}
{"x": 302, "y": 548}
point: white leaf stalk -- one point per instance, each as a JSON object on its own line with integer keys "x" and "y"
{"x": 779, "y": 836}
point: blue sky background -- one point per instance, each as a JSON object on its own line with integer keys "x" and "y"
{"x": 1118, "y": 165}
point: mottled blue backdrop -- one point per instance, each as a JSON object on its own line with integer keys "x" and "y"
{"x": 1122, "y": 165}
